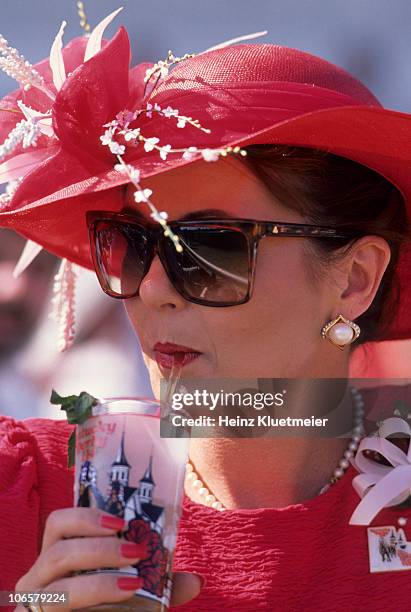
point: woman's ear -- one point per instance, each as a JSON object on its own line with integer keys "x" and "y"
{"x": 364, "y": 267}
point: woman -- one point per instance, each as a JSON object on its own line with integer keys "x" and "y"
{"x": 283, "y": 541}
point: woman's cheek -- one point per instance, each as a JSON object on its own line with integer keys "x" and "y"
{"x": 240, "y": 343}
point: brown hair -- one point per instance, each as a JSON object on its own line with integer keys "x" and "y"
{"x": 334, "y": 191}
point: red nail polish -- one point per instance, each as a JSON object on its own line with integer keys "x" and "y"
{"x": 112, "y": 522}
{"x": 132, "y": 550}
{"x": 202, "y": 580}
{"x": 129, "y": 584}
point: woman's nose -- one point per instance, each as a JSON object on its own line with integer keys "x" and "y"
{"x": 156, "y": 290}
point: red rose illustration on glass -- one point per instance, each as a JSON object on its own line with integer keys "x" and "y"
{"x": 152, "y": 569}
{"x": 138, "y": 531}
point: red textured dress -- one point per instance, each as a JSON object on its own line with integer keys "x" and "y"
{"x": 304, "y": 557}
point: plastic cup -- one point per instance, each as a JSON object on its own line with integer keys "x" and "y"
{"x": 125, "y": 468}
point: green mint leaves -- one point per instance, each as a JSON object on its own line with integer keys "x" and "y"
{"x": 78, "y": 409}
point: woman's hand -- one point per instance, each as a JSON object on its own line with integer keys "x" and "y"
{"x": 84, "y": 539}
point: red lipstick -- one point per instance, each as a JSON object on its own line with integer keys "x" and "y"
{"x": 167, "y": 354}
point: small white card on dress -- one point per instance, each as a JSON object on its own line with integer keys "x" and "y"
{"x": 388, "y": 549}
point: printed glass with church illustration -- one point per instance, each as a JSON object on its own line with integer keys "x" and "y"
{"x": 124, "y": 467}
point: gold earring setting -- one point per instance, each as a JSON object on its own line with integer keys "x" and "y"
{"x": 341, "y": 332}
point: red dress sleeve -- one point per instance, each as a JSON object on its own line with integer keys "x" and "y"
{"x": 34, "y": 481}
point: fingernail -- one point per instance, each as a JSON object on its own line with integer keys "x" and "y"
{"x": 202, "y": 580}
{"x": 132, "y": 550}
{"x": 129, "y": 584}
{"x": 112, "y": 522}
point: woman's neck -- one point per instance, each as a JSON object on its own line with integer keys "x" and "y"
{"x": 268, "y": 472}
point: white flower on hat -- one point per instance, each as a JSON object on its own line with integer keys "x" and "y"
{"x": 190, "y": 153}
{"x": 131, "y": 171}
{"x": 160, "y": 217}
{"x": 142, "y": 195}
{"x": 170, "y": 112}
{"x": 150, "y": 143}
{"x": 210, "y": 155}
{"x": 116, "y": 148}
{"x": 107, "y": 137}
{"x": 164, "y": 151}
{"x": 131, "y": 134}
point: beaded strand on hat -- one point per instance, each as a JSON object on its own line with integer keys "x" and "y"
{"x": 211, "y": 500}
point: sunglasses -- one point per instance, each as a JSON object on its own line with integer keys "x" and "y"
{"x": 215, "y": 268}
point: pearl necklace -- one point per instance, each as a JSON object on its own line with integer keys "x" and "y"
{"x": 358, "y": 431}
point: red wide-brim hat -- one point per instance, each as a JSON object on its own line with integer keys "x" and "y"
{"x": 245, "y": 94}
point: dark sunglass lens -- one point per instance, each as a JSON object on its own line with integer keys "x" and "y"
{"x": 213, "y": 265}
{"x": 121, "y": 251}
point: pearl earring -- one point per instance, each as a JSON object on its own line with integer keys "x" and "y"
{"x": 340, "y": 331}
